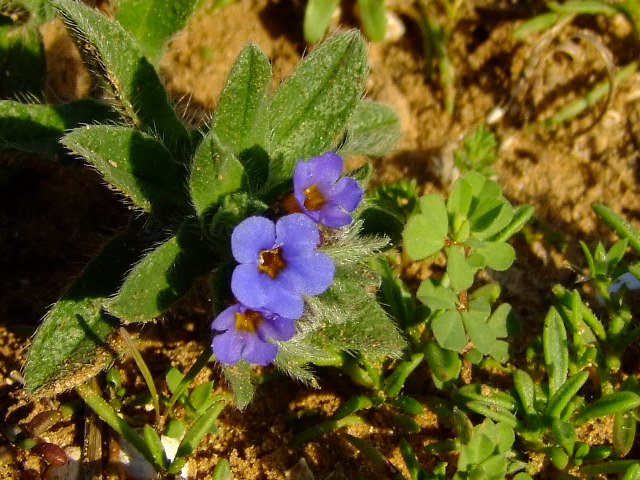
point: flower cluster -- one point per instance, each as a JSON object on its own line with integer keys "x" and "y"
{"x": 279, "y": 263}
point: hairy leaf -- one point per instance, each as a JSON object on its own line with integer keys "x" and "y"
{"x": 372, "y": 129}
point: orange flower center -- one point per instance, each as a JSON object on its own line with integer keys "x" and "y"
{"x": 271, "y": 262}
{"x": 313, "y": 199}
{"x": 248, "y": 321}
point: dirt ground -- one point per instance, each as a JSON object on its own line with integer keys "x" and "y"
{"x": 55, "y": 216}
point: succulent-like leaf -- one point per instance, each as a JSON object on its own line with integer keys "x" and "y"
{"x": 616, "y": 402}
{"x": 162, "y": 277}
{"x": 310, "y": 110}
{"x": 556, "y": 353}
{"x": 372, "y": 129}
{"x": 37, "y": 128}
{"x": 135, "y": 163}
{"x": 374, "y": 18}
{"x": 70, "y": 345}
{"x": 132, "y": 77}
{"x": 153, "y": 22}
{"x": 624, "y": 433}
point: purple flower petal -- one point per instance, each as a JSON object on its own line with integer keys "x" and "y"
{"x": 276, "y": 327}
{"x": 347, "y": 193}
{"x": 297, "y": 233}
{"x": 261, "y": 353}
{"x": 310, "y": 274}
{"x": 228, "y": 346}
{"x": 251, "y": 236}
{"x": 322, "y": 194}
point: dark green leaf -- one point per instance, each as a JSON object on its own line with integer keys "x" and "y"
{"x": 135, "y": 163}
{"x": 310, "y": 110}
{"x": 22, "y": 61}
{"x": 556, "y": 350}
{"x": 71, "y": 344}
{"x": 162, "y": 277}
{"x": 215, "y": 172}
{"x": 624, "y": 433}
{"x": 241, "y": 120}
{"x": 132, "y": 77}
{"x": 616, "y": 402}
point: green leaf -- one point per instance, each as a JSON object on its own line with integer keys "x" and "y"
{"x": 496, "y": 255}
{"x": 152, "y": 439}
{"x": 199, "y": 429}
{"x": 215, "y": 172}
{"x": 135, "y": 163}
{"x": 458, "y": 269}
{"x": 444, "y": 364}
{"x": 490, "y": 216}
{"x": 565, "y": 394}
{"x": 152, "y": 23}
{"x": 374, "y": 18}
{"x": 426, "y": 232}
{"x": 624, "y": 433}
{"x": 481, "y": 334}
{"x": 310, "y": 110}
{"x": 37, "y": 128}
{"x": 503, "y": 322}
{"x": 395, "y": 381}
{"x": 449, "y": 330}
{"x": 317, "y": 18}
{"x": 372, "y": 129}
{"x": 70, "y": 345}
{"x": 241, "y": 119}
{"x": 460, "y": 198}
{"x": 620, "y": 225}
{"x": 616, "y": 402}
{"x": 565, "y": 434}
{"x": 556, "y": 350}
{"x": 435, "y": 296}
{"x": 524, "y": 386}
{"x": 162, "y": 277}
{"x": 133, "y": 79}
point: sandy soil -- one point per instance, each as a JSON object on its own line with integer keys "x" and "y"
{"x": 56, "y": 215}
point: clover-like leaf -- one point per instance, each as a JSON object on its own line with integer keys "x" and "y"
{"x": 426, "y": 232}
{"x": 449, "y": 330}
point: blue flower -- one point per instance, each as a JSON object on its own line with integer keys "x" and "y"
{"x": 244, "y": 333}
{"x": 279, "y": 263}
{"x": 322, "y": 194}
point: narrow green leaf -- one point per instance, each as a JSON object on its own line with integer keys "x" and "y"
{"x": 135, "y": 163}
{"x": 619, "y": 224}
{"x": 317, "y": 18}
{"x": 632, "y": 473}
{"x": 556, "y": 350}
{"x": 152, "y": 23}
{"x": 524, "y": 386}
{"x": 38, "y": 128}
{"x": 108, "y": 415}
{"x": 444, "y": 364}
{"x": 522, "y": 214}
{"x": 351, "y": 406}
{"x": 565, "y": 434}
{"x": 426, "y": 232}
{"x": 215, "y": 172}
{"x": 372, "y": 129}
{"x": 565, "y": 394}
{"x": 540, "y": 22}
{"x": 616, "y": 402}
{"x": 310, "y": 110}
{"x": 199, "y": 429}
{"x": 624, "y": 433}
{"x": 161, "y": 278}
{"x": 152, "y": 439}
{"x": 374, "y": 18}
{"x": 449, "y": 330}
{"x": 395, "y": 381}
{"x": 240, "y": 120}
{"x": 70, "y": 345}
{"x": 132, "y": 77}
